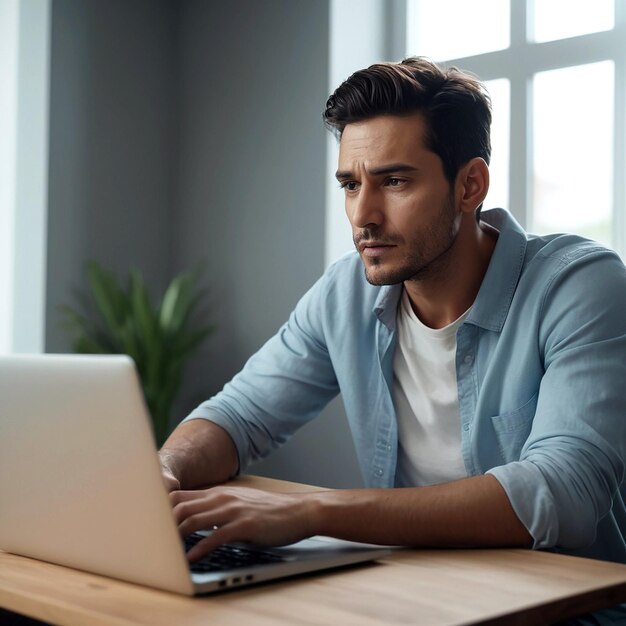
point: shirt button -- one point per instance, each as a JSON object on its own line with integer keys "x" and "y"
{"x": 379, "y": 472}
{"x": 466, "y": 427}
{"x": 388, "y": 448}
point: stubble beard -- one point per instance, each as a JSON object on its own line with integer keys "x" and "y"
{"x": 429, "y": 256}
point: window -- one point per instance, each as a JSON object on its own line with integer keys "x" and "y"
{"x": 8, "y": 104}
{"x": 556, "y": 71}
{"x": 24, "y": 56}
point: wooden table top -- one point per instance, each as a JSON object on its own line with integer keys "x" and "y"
{"x": 503, "y": 586}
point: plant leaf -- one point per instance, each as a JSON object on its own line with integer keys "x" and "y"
{"x": 122, "y": 319}
{"x": 110, "y": 299}
{"x": 141, "y": 311}
{"x": 178, "y": 303}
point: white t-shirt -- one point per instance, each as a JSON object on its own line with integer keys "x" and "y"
{"x": 426, "y": 401}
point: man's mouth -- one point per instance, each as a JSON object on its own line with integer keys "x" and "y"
{"x": 374, "y": 248}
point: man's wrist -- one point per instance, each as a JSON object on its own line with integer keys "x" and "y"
{"x": 324, "y": 511}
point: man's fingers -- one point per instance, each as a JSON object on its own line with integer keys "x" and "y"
{"x": 214, "y": 510}
{"x": 181, "y": 496}
{"x": 203, "y": 520}
{"x": 195, "y": 510}
{"x": 187, "y": 504}
{"x": 225, "y": 534}
{"x": 240, "y": 514}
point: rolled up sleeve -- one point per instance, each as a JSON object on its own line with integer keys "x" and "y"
{"x": 283, "y": 386}
{"x": 572, "y": 464}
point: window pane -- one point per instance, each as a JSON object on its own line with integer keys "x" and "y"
{"x": 449, "y": 29}
{"x": 500, "y": 92}
{"x": 573, "y": 150}
{"x": 558, "y": 19}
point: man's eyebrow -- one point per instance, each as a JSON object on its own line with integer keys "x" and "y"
{"x": 392, "y": 168}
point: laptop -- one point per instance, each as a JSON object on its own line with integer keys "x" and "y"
{"x": 81, "y": 486}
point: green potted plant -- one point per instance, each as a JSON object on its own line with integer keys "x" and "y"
{"x": 121, "y": 319}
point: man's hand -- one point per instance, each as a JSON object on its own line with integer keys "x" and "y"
{"x": 242, "y": 514}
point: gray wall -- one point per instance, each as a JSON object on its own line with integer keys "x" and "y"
{"x": 186, "y": 133}
{"x": 113, "y": 68}
{"x": 251, "y": 170}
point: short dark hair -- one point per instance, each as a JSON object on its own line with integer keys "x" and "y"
{"x": 455, "y": 105}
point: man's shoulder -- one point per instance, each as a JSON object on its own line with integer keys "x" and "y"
{"x": 564, "y": 247}
{"x": 561, "y": 252}
{"x": 560, "y": 267}
{"x": 556, "y": 249}
{"x": 530, "y": 272}
{"x": 348, "y": 272}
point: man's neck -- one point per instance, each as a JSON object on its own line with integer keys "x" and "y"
{"x": 443, "y": 296}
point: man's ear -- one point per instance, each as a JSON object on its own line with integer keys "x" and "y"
{"x": 472, "y": 185}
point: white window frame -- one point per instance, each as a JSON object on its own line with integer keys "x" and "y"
{"x": 519, "y": 63}
{"x": 24, "y": 174}
{"x": 8, "y": 117}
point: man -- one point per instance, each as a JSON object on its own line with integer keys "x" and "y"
{"x": 482, "y": 369}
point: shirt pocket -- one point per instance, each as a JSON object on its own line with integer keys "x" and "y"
{"x": 512, "y": 429}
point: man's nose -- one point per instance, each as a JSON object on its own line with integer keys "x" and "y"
{"x": 365, "y": 209}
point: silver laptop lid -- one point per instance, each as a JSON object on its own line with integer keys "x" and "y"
{"x": 65, "y": 423}
{"x": 80, "y": 483}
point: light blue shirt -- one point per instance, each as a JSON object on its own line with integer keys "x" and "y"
{"x": 541, "y": 375}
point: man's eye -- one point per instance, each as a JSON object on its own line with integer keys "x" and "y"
{"x": 394, "y": 182}
{"x": 350, "y": 185}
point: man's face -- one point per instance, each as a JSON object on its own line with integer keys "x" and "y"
{"x": 398, "y": 200}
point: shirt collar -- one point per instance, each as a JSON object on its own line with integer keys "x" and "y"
{"x": 498, "y": 287}
{"x": 386, "y": 304}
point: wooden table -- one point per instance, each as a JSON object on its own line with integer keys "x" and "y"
{"x": 410, "y": 587}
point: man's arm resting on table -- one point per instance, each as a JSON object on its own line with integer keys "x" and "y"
{"x": 473, "y": 512}
{"x": 197, "y": 453}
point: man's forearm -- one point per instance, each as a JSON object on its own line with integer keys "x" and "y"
{"x": 467, "y": 513}
{"x": 199, "y": 453}
{"x": 473, "y": 512}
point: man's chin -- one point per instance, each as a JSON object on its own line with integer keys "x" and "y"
{"x": 378, "y": 277}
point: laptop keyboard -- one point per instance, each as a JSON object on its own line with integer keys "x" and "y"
{"x": 228, "y": 557}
